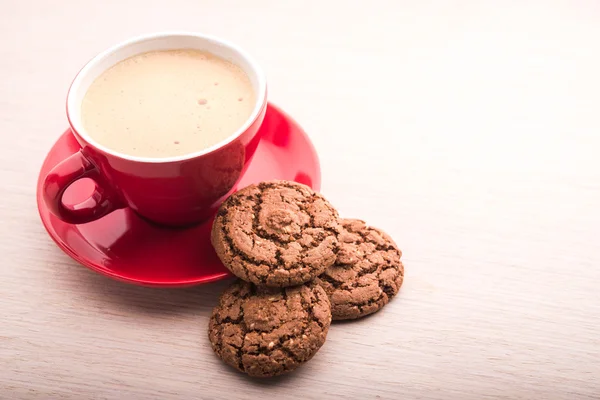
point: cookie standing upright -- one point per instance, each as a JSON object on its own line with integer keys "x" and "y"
{"x": 265, "y": 331}
{"x": 367, "y": 272}
{"x": 276, "y": 233}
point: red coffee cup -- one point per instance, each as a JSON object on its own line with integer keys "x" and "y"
{"x": 177, "y": 190}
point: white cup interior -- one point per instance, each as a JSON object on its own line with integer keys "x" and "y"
{"x": 163, "y": 41}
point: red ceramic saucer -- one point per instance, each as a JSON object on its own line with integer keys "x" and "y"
{"x": 126, "y": 247}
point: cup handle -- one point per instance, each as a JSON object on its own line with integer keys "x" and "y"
{"x": 103, "y": 201}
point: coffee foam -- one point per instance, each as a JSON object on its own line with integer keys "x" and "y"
{"x": 167, "y": 103}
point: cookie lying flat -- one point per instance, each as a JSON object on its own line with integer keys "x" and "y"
{"x": 367, "y": 273}
{"x": 269, "y": 331}
{"x": 276, "y": 233}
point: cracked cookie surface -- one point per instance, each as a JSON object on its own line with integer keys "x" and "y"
{"x": 367, "y": 272}
{"x": 276, "y": 233}
{"x": 265, "y": 331}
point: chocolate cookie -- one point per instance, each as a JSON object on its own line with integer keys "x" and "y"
{"x": 367, "y": 272}
{"x": 269, "y": 331}
{"x": 276, "y": 233}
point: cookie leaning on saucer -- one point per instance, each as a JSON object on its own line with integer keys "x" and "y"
{"x": 265, "y": 331}
{"x": 367, "y": 272}
{"x": 276, "y": 233}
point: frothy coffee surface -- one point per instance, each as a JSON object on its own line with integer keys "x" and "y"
{"x": 167, "y": 103}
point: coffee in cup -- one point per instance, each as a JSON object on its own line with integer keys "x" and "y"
{"x": 167, "y": 103}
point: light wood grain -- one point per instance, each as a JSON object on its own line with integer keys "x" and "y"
{"x": 469, "y": 130}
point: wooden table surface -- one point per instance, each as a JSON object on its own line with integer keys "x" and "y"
{"x": 469, "y": 130}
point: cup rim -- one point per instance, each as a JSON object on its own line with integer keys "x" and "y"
{"x": 261, "y": 95}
